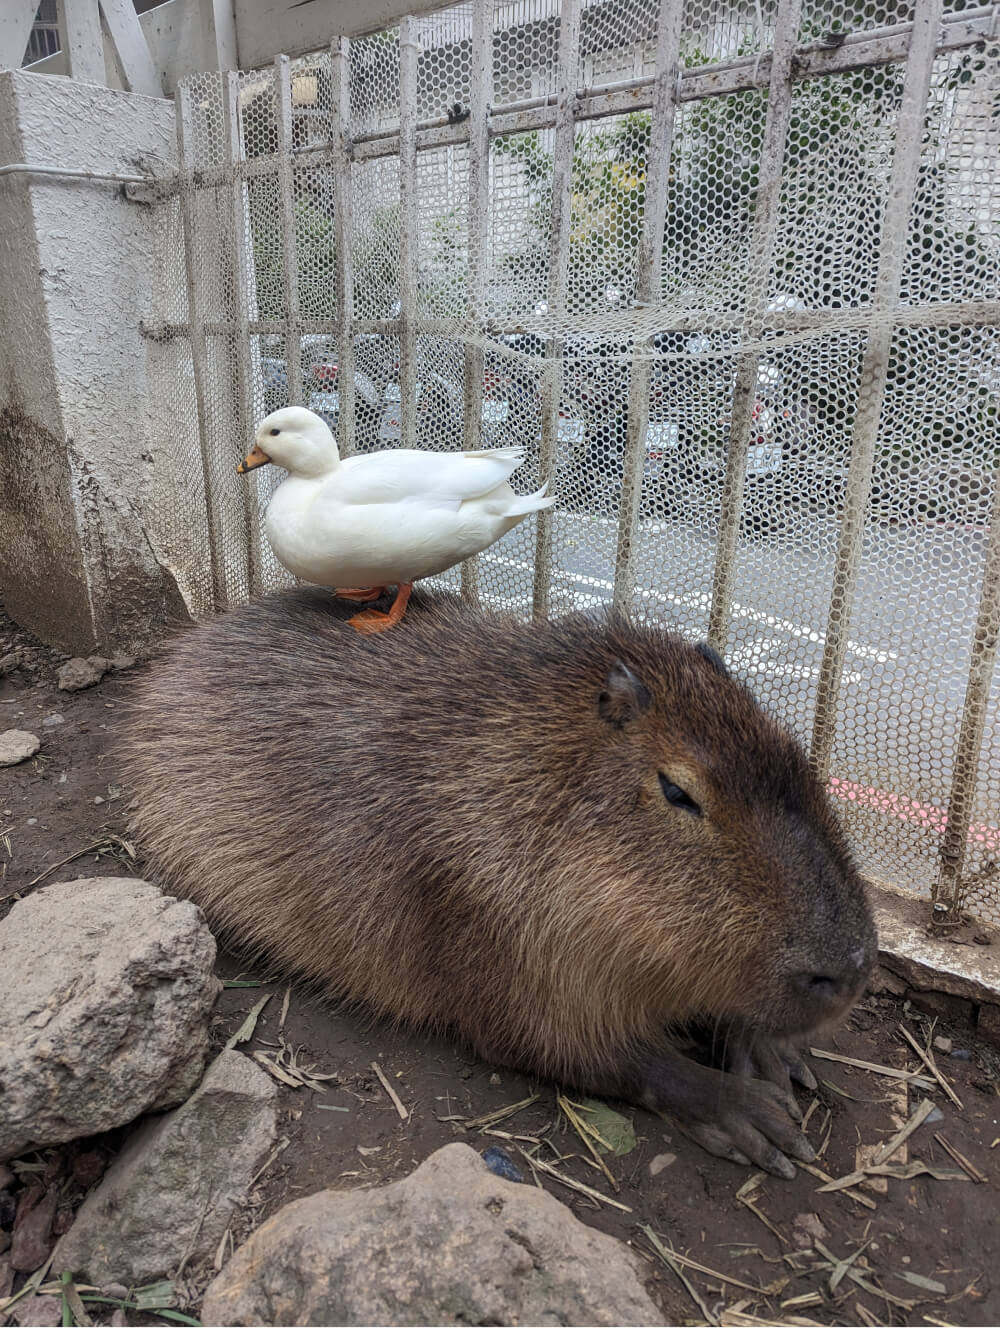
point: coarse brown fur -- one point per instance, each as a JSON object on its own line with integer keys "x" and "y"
{"x": 462, "y": 824}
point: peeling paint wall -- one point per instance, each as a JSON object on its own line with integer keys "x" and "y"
{"x": 77, "y": 566}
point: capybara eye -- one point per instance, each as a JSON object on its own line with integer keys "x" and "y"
{"x": 678, "y": 798}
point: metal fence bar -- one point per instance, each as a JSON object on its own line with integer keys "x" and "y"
{"x": 480, "y": 95}
{"x": 772, "y": 157}
{"x": 343, "y": 223}
{"x": 824, "y": 322}
{"x": 649, "y": 264}
{"x": 948, "y": 887}
{"x": 242, "y": 387}
{"x": 874, "y": 367}
{"x": 721, "y": 79}
{"x": 409, "y": 55}
{"x": 213, "y": 498}
{"x": 289, "y": 247}
{"x": 562, "y": 194}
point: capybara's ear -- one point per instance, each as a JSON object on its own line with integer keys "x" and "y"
{"x": 713, "y": 657}
{"x": 624, "y": 696}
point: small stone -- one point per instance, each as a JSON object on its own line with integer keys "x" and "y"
{"x": 33, "y": 1239}
{"x": 495, "y": 1080}
{"x": 807, "y": 1229}
{"x": 50, "y": 721}
{"x": 466, "y": 1072}
{"x": 119, "y": 1319}
{"x": 115, "y": 1290}
{"x": 935, "y": 1115}
{"x": 943, "y": 1044}
{"x": 660, "y": 1163}
{"x": 11, "y": 661}
{"x": 38, "y": 1312}
{"x": 76, "y": 674}
{"x": 32, "y": 820}
{"x": 89, "y": 1167}
{"x": 98, "y": 800}
{"x": 961, "y": 1054}
{"x": 119, "y": 662}
{"x": 17, "y": 745}
{"x": 62, "y": 778}
{"x": 502, "y": 1164}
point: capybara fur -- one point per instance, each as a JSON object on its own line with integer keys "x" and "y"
{"x": 569, "y": 843}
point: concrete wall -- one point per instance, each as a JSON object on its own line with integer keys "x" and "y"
{"x": 76, "y": 564}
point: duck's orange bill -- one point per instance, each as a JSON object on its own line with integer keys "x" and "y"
{"x": 256, "y": 457}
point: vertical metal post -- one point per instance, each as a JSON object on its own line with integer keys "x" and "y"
{"x": 649, "y": 264}
{"x": 213, "y": 496}
{"x": 874, "y": 367}
{"x": 772, "y": 159}
{"x": 948, "y": 888}
{"x": 286, "y": 201}
{"x": 562, "y": 197}
{"x": 480, "y": 95}
{"x": 409, "y": 55}
{"x": 241, "y": 256}
{"x": 343, "y": 229}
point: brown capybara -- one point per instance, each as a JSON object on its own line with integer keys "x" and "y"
{"x": 573, "y": 844}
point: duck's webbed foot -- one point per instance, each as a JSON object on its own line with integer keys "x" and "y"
{"x": 371, "y": 621}
{"x": 361, "y": 596}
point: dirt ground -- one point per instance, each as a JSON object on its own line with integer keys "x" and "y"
{"x": 911, "y": 1249}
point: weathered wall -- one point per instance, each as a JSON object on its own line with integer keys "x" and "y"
{"x": 76, "y": 564}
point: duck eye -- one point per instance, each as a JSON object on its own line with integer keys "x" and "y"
{"x": 275, "y": 432}
{"x": 678, "y": 798}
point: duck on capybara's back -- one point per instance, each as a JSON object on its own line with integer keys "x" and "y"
{"x": 566, "y": 843}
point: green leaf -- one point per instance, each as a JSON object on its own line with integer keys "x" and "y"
{"x": 616, "y": 1131}
{"x": 156, "y": 1296}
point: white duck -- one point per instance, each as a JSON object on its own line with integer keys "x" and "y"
{"x": 386, "y": 518}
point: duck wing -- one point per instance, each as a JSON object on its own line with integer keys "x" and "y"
{"x": 445, "y": 479}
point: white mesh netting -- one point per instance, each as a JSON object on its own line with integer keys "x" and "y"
{"x": 325, "y": 246}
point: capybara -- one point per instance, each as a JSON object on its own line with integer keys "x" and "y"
{"x": 580, "y": 846}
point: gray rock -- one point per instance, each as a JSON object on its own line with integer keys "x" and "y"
{"x": 450, "y": 1244}
{"x": 172, "y": 1190}
{"x": 76, "y": 674}
{"x": 50, "y": 721}
{"x": 11, "y": 661}
{"x": 17, "y": 745}
{"x": 106, "y": 989}
{"x": 120, "y": 662}
{"x": 38, "y": 1312}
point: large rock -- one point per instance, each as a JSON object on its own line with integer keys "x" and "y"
{"x": 171, "y": 1192}
{"x": 450, "y": 1244}
{"x": 106, "y": 988}
{"x": 76, "y": 674}
{"x": 16, "y": 745}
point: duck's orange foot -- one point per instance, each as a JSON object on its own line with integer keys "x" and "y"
{"x": 373, "y": 620}
{"x": 361, "y": 596}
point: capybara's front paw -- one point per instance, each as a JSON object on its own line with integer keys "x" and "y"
{"x": 778, "y": 1061}
{"x": 752, "y": 1124}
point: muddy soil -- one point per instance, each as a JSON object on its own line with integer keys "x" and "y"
{"x": 923, "y": 1250}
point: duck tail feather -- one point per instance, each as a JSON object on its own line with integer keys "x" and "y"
{"x": 531, "y": 502}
